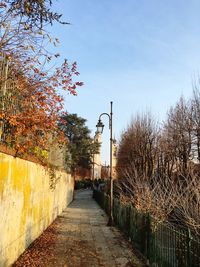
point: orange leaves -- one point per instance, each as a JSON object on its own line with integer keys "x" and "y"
{"x": 41, "y": 251}
{"x": 32, "y": 48}
{"x": 36, "y": 70}
{"x": 38, "y": 105}
{"x": 13, "y": 121}
{"x": 79, "y": 83}
{"x": 35, "y": 103}
{"x": 74, "y": 67}
{"x": 2, "y": 115}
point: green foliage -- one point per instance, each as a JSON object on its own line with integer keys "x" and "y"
{"x": 81, "y": 146}
{"x": 40, "y": 153}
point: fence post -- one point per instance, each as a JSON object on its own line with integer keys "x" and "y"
{"x": 148, "y": 235}
{"x": 145, "y": 234}
{"x": 189, "y": 239}
{"x": 128, "y": 209}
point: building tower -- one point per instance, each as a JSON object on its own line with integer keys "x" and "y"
{"x": 97, "y": 158}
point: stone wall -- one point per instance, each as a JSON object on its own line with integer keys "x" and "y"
{"x": 31, "y": 197}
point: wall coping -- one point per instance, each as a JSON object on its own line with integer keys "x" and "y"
{"x": 12, "y": 152}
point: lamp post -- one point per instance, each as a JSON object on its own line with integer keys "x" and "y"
{"x": 93, "y": 170}
{"x": 100, "y": 127}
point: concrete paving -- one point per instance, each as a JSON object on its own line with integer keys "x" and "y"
{"x": 83, "y": 238}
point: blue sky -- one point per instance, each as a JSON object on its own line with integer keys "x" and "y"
{"x": 140, "y": 54}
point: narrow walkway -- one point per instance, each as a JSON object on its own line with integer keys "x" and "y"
{"x": 80, "y": 238}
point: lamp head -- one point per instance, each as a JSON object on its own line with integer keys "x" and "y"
{"x": 100, "y": 126}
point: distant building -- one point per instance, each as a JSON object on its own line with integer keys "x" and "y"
{"x": 96, "y": 173}
{"x": 99, "y": 170}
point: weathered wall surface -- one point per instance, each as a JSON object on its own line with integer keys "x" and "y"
{"x": 30, "y": 200}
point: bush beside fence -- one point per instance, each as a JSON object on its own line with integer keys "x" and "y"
{"x": 163, "y": 245}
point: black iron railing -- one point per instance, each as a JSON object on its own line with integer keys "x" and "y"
{"x": 163, "y": 245}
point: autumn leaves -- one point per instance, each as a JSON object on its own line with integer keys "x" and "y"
{"x": 31, "y": 89}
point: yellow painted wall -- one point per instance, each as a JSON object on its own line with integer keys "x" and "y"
{"x": 28, "y": 204}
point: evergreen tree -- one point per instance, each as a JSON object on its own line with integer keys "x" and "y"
{"x": 81, "y": 146}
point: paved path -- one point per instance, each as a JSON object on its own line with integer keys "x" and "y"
{"x": 83, "y": 239}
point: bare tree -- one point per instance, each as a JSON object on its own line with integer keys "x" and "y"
{"x": 187, "y": 209}
{"x": 157, "y": 173}
{"x": 138, "y": 146}
{"x": 179, "y": 134}
{"x": 35, "y": 13}
{"x": 195, "y": 116}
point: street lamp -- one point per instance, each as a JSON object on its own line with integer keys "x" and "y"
{"x": 100, "y": 127}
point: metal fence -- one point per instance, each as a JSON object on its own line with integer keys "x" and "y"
{"x": 163, "y": 245}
